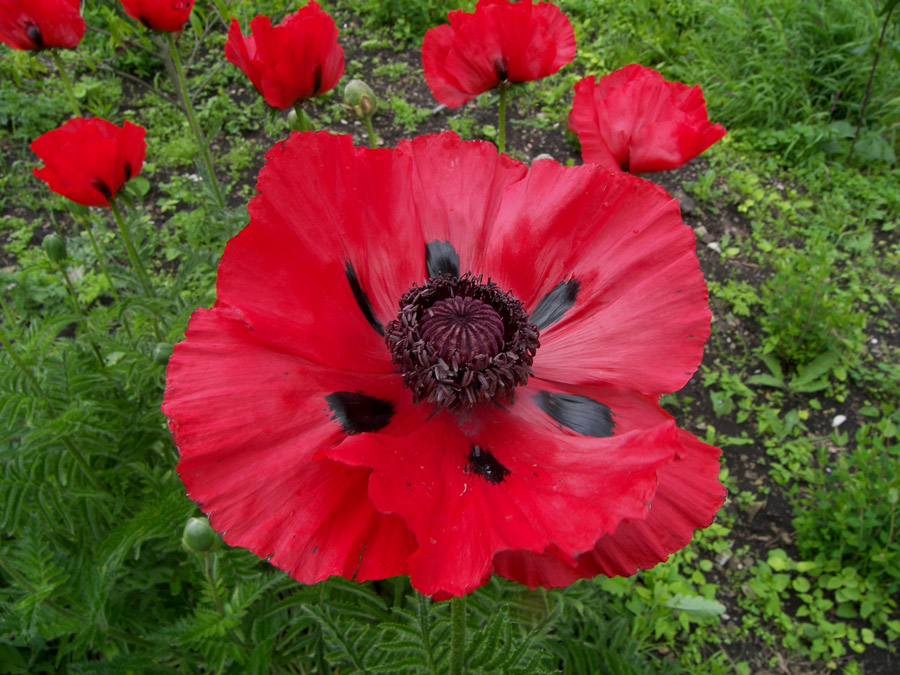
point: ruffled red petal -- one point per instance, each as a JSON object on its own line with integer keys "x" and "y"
{"x": 635, "y": 120}
{"x": 251, "y": 423}
{"x": 89, "y": 160}
{"x": 500, "y": 41}
{"x": 547, "y": 488}
{"x": 688, "y": 497}
{"x": 640, "y": 316}
{"x": 29, "y": 24}
{"x": 291, "y": 62}
{"x": 167, "y": 16}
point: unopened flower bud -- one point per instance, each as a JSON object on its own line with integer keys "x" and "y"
{"x": 198, "y": 536}
{"x": 55, "y": 248}
{"x": 360, "y": 98}
{"x": 161, "y": 353}
{"x": 292, "y": 120}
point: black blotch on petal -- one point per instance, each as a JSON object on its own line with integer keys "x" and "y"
{"x": 441, "y": 258}
{"x": 317, "y": 80}
{"x": 358, "y": 413}
{"x": 33, "y": 31}
{"x": 127, "y": 171}
{"x": 362, "y": 299}
{"x": 483, "y": 463}
{"x": 555, "y": 304}
{"x": 100, "y": 186}
{"x": 580, "y": 413}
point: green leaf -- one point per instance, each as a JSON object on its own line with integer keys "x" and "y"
{"x": 696, "y": 606}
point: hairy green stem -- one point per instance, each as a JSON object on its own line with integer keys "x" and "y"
{"x": 67, "y": 283}
{"x": 208, "y": 558}
{"x": 457, "y": 635}
{"x": 373, "y": 139}
{"x": 112, "y": 288}
{"x": 865, "y": 102}
{"x": 133, "y": 257}
{"x": 501, "y": 122}
{"x": 304, "y": 123}
{"x": 65, "y": 80}
{"x": 192, "y": 119}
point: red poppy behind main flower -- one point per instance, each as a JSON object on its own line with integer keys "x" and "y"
{"x": 634, "y": 120}
{"x": 446, "y": 365}
{"x": 291, "y": 62}
{"x": 165, "y": 16}
{"x": 500, "y": 42}
{"x": 88, "y": 160}
{"x": 41, "y": 24}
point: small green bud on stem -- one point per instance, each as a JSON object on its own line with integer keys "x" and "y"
{"x": 55, "y": 248}
{"x": 198, "y": 536}
{"x": 161, "y": 353}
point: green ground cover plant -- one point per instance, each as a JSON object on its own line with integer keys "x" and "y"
{"x": 799, "y": 386}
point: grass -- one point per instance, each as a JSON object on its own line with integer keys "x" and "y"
{"x": 803, "y": 286}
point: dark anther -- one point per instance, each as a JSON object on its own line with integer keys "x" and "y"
{"x": 580, "y": 413}
{"x": 127, "y": 171}
{"x": 362, "y": 299}
{"x": 441, "y": 258}
{"x": 555, "y": 304}
{"x": 483, "y": 463}
{"x": 317, "y": 80}
{"x": 501, "y": 68}
{"x": 357, "y": 413}
{"x": 100, "y": 186}
{"x": 459, "y": 342}
{"x": 33, "y": 31}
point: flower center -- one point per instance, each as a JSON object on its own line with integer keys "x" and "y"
{"x": 459, "y": 342}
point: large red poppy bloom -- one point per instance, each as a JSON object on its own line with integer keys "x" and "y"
{"x": 291, "y": 62}
{"x": 88, "y": 160}
{"x": 165, "y": 16}
{"x": 41, "y": 24}
{"x": 500, "y": 42}
{"x": 634, "y": 120}
{"x": 446, "y": 365}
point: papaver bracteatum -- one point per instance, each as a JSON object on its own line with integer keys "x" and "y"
{"x": 291, "y": 62}
{"x": 499, "y": 42}
{"x": 41, "y": 24}
{"x": 88, "y": 160}
{"x": 634, "y": 120}
{"x": 444, "y": 364}
{"x": 164, "y": 16}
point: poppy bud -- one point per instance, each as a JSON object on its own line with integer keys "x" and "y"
{"x": 198, "y": 536}
{"x": 360, "y": 99}
{"x": 55, "y": 248}
{"x": 161, "y": 353}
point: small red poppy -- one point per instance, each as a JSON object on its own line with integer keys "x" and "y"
{"x": 88, "y": 160}
{"x": 165, "y": 16}
{"x": 291, "y": 62}
{"x": 41, "y": 24}
{"x": 447, "y": 365}
{"x": 498, "y": 42}
{"x": 634, "y": 120}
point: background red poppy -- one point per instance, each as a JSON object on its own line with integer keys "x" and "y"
{"x": 498, "y": 42}
{"x": 40, "y": 24}
{"x": 88, "y": 160}
{"x": 634, "y": 120}
{"x": 165, "y": 16}
{"x": 291, "y": 62}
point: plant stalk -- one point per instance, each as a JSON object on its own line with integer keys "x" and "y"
{"x": 65, "y": 80}
{"x": 133, "y": 257}
{"x": 373, "y": 139}
{"x": 192, "y": 119}
{"x": 501, "y": 122}
{"x": 457, "y": 635}
{"x": 304, "y": 123}
{"x": 865, "y": 102}
{"x": 67, "y": 283}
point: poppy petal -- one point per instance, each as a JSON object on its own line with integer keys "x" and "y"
{"x": 25, "y": 24}
{"x": 251, "y": 423}
{"x": 636, "y": 310}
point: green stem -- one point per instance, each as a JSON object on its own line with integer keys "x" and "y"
{"x": 373, "y": 139}
{"x": 67, "y": 283}
{"x": 65, "y": 80}
{"x": 112, "y": 288}
{"x": 457, "y": 635}
{"x": 501, "y": 123}
{"x": 862, "y": 112}
{"x": 192, "y": 119}
{"x": 32, "y": 380}
{"x": 208, "y": 558}
{"x": 136, "y": 263}
{"x": 9, "y": 316}
{"x": 304, "y": 123}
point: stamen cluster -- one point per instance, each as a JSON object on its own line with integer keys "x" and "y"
{"x": 459, "y": 342}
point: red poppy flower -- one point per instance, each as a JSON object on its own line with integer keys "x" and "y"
{"x": 446, "y": 365}
{"x": 41, "y": 24}
{"x": 165, "y": 16}
{"x": 636, "y": 121}
{"x": 499, "y": 42}
{"x": 291, "y": 62}
{"x": 88, "y": 160}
